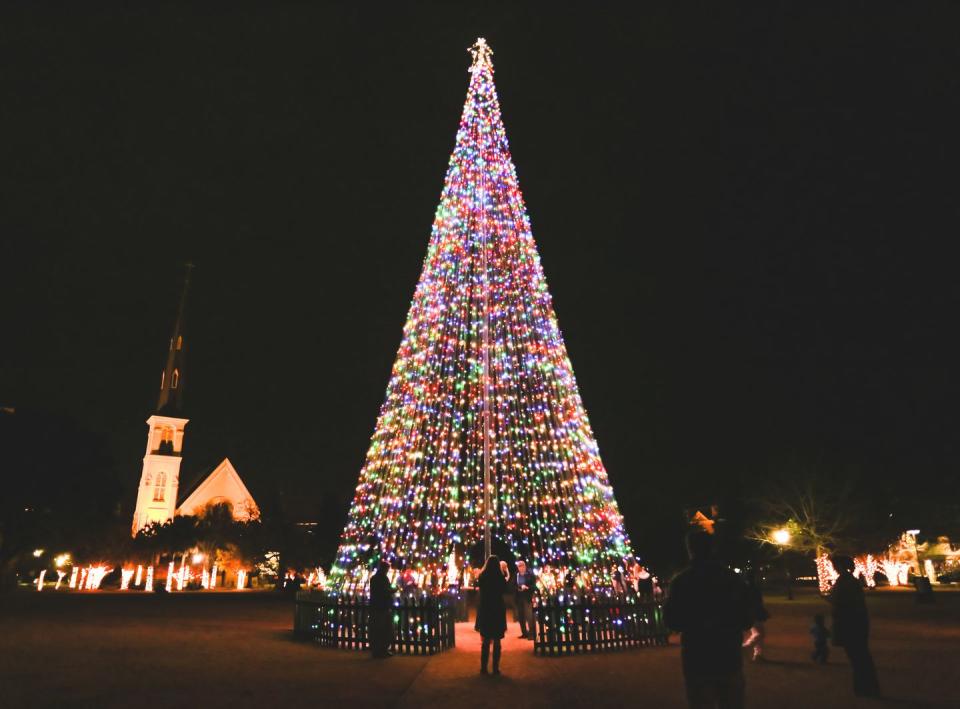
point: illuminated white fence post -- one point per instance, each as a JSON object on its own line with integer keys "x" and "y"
{"x": 148, "y": 585}
{"x": 125, "y": 576}
{"x": 40, "y": 580}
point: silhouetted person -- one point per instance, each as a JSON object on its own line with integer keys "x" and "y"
{"x": 758, "y": 632}
{"x": 381, "y": 616}
{"x": 851, "y": 627}
{"x": 491, "y": 613}
{"x": 524, "y": 583}
{"x": 707, "y": 604}
{"x": 821, "y": 651}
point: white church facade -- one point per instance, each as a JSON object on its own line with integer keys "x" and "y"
{"x": 159, "y": 496}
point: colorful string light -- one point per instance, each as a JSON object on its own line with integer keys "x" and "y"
{"x": 421, "y": 489}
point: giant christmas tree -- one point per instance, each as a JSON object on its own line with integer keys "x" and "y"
{"x": 482, "y": 390}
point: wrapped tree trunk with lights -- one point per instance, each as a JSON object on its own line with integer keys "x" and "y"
{"x": 482, "y": 434}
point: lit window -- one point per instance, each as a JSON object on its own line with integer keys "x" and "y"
{"x": 175, "y": 379}
{"x": 179, "y": 342}
{"x": 158, "y": 489}
{"x": 166, "y": 441}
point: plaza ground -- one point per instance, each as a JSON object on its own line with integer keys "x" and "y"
{"x": 236, "y": 650}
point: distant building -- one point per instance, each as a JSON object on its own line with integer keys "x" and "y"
{"x": 159, "y": 496}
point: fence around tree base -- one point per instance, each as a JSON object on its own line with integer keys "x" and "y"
{"x": 568, "y": 624}
{"x": 422, "y": 625}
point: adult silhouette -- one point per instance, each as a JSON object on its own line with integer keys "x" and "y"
{"x": 851, "y": 627}
{"x": 381, "y": 619}
{"x": 708, "y": 605}
{"x": 491, "y": 613}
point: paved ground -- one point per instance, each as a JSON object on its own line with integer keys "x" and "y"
{"x": 235, "y": 649}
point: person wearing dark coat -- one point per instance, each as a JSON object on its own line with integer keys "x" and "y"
{"x": 524, "y": 582}
{"x": 708, "y": 605}
{"x": 851, "y": 627}
{"x": 491, "y": 612}
{"x": 381, "y": 615}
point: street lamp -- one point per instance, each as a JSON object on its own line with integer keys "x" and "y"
{"x": 781, "y": 537}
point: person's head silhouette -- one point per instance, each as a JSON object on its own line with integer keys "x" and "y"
{"x": 843, "y": 564}
{"x": 699, "y": 545}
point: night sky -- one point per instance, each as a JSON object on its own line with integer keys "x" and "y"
{"x": 745, "y": 222}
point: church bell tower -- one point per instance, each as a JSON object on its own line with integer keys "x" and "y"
{"x": 159, "y": 481}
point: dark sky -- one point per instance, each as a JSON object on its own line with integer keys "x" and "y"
{"x": 745, "y": 222}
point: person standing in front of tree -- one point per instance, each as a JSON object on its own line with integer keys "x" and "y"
{"x": 381, "y": 619}
{"x": 491, "y": 613}
{"x": 707, "y": 604}
{"x": 524, "y": 600}
{"x": 851, "y": 627}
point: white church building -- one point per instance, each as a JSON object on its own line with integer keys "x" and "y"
{"x": 160, "y": 497}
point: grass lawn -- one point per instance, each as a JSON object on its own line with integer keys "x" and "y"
{"x": 235, "y": 649}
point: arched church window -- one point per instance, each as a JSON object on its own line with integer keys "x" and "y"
{"x": 159, "y": 487}
{"x": 175, "y": 379}
{"x": 179, "y": 342}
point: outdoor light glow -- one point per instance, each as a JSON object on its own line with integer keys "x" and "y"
{"x": 866, "y": 567}
{"x": 781, "y": 536}
{"x": 826, "y": 574}
{"x": 95, "y": 575}
{"x": 481, "y": 382}
{"x": 61, "y": 560}
{"x": 453, "y": 574}
{"x": 197, "y": 558}
{"x": 38, "y": 552}
{"x": 897, "y": 572}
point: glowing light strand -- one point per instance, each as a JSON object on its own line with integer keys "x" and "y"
{"x": 481, "y": 327}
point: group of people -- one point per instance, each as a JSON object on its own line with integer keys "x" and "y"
{"x": 493, "y": 582}
{"x": 711, "y": 607}
{"x": 708, "y": 604}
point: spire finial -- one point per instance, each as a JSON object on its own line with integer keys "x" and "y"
{"x": 481, "y": 53}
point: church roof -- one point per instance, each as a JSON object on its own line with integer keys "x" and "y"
{"x": 212, "y": 484}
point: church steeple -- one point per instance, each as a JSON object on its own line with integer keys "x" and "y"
{"x": 160, "y": 479}
{"x": 170, "y": 402}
